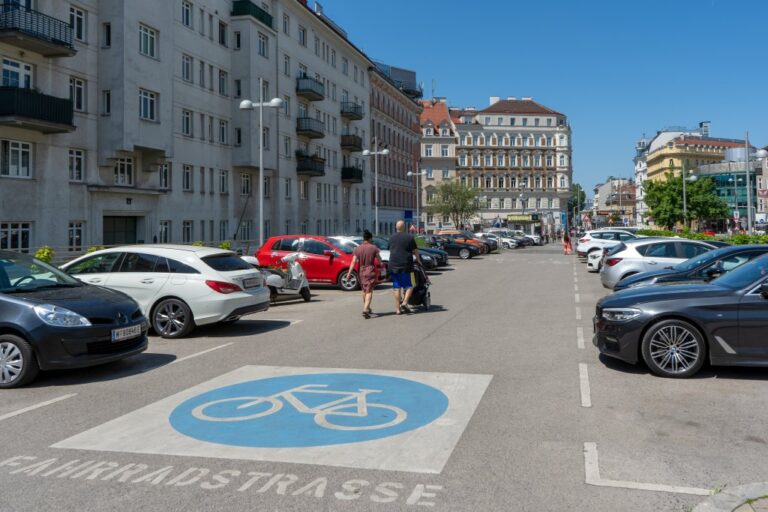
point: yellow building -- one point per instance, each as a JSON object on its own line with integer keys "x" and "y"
{"x": 687, "y": 151}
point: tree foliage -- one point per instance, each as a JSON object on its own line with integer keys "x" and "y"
{"x": 455, "y": 200}
{"x": 665, "y": 201}
{"x": 578, "y": 198}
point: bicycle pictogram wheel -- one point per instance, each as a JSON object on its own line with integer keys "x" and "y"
{"x": 199, "y": 412}
{"x": 322, "y": 420}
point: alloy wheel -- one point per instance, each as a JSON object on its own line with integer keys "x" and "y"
{"x": 674, "y": 349}
{"x": 171, "y": 318}
{"x": 11, "y": 362}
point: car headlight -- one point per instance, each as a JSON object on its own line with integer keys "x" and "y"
{"x": 58, "y": 316}
{"x": 620, "y": 314}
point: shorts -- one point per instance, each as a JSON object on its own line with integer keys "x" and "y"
{"x": 402, "y": 280}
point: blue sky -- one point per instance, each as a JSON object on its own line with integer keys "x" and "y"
{"x": 617, "y": 68}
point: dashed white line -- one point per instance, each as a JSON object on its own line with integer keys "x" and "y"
{"x": 196, "y": 354}
{"x": 580, "y": 337}
{"x": 36, "y": 406}
{"x": 576, "y": 288}
{"x": 586, "y": 399}
{"x": 577, "y": 298}
{"x": 578, "y": 313}
{"x": 592, "y": 477}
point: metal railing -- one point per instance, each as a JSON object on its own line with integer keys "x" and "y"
{"x": 32, "y": 104}
{"x": 27, "y": 21}
{"x": 310, "y": 165}
{"x": 351, "y": 109}
{"x": 248, "y": 8}
{"x": 354, "y": 174}
{"x": 309, "y": 124}
{"x": 308, "y": 86}
{"x": 352, "y": 142}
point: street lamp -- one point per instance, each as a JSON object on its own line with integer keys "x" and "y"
{"x": 249, "y": 105}
{"x": 418, "y": 196}
{"x": 686, "y": 178}
{"x": 523, "y": 199}
{"x": 383, "y": 152}
{"x": 760, "y": 156}
{"x": 735, "y": 180}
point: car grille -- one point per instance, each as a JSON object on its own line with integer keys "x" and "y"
{"x": 136, "y": 315}
{"x": 107, "y": 347}
{"x": 598, "y": 311}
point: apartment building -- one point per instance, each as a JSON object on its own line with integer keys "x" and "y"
{"x": 517, "y": 154}
{"x": 438, "y": 156}
{"x": 120, "y": 122}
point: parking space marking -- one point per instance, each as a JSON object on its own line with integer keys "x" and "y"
{"x": 202, "y": 352}
{"x": 592, "y": 477}
{"x": 36, "y": 406}
{"x": 586, "y": 398}
{"x": 580, "y": 337}
{"x": 576, "y": 288}
{"x": 577, "y": 298}
{"x": 578, "y": 313}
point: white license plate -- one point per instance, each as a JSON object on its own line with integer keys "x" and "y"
{"x": 126, "y": 333}
{"x": 251, "y": 283}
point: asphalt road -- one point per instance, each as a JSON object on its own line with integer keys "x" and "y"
{"x": 505, "y": 411}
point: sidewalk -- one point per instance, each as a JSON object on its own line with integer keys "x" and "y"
{"x": 745, "y": 498}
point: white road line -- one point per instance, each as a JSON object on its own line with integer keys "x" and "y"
{"x": 36, "y": 406}
{"x": 196, "y": 354}
{"x": 592, "y": 477}
{"x": 577, "y": 298}
{"x": 575, "y": 287}
{"x": 578, "y": 313}
{"x": 586, "y": 399}
{"x": 580, "y": 337}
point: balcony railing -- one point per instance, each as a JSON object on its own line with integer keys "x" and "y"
{"x": 30, "y": 109}
{"x": 310, "y": 166}
{"x": 351, "y": 143}
{"x": 310, "y": 88}
{"x": 248, "y": 8}
{"x": 310, "y": 127}
{"x": 352, "y": 174}
{"x": 351, "y": 110}
{"x": 35, "y": 31}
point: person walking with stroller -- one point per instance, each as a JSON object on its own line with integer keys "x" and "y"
{"x": 368, "y": 255}
{"x": 402, "y": 250}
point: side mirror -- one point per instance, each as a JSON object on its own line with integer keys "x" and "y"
{"x": 764, "y": 290}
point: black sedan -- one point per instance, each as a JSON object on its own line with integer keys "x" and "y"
{"x": 439, "y": 256}
{"x": 452, "y": 247}
{"x": 49, "y": 320}
{"x": 704, "y": 267}
{"x": 674, "y": 328}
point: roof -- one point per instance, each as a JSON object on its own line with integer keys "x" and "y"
{"x": 710, "y": 141}
{"x": 518, "y": 107}
{"x": 436, "y": 112}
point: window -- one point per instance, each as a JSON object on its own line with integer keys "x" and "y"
{"x": 238, "y": 136}
{"x": 429, "y": 173}
{"x": 223, "y": 132}
{"x": 263, "y": 45}
{"x": 187, "y": 184}
{"x": 344, "y": 66}
{"x": 124, "y": 171}
{"x": 445, "y": 173}
{"x": 286, "y": 65}
{"x": 563, "y": 183}
{"x": 267, "y": 187}
{"x": 475, "y": 160}
{"x": 186, "y": 123}
{"x": 15, "y": 236}
{"x": 287, "y": 146}
{"x": 287, "y": 106}
{"x": 187, "y": 231}
{"x": 202, "y": 179}
{"x": 463, "y": 160}
{"x": 222, "y": 33}
{"x": 15, "y": 159}
{"x": 77, "y": 22}
{"x": 317, "y": 46}
{"x": 289, "y": 187}
{"x": 333, "y": 58}
{"x": 444, "y": 150}
{"x": 238, "y": 88}
{"x": 164, "y": 233}
{"x": 106, "y": 35}
{"x": 75, "y": 236}
{"x": 525, "y": 121}
{"x": 76, "y": 164}
{"x": 536, "y": 122}
{"x": 303, "y": 189}
{"x": 186, "y": 68}
{"x": 238, "y": 45}
{"x": 16, "y": 74}
{"x": 186, "y": 14}
{"x": 202, "y": 21}
{"x": 265, "y": 138}
{"x": 549, "y": 160}
{"x": 488, "y": 160}
{"x": 147, "y": 41}
{"x": 106, "y": 103}
{"x": 202, "y": 74}
{"x": 286, "y": 24}
{"x": 428, "y": 150}
{"x": 265, "y": 89}
{"x": 245, "y": 184}
{"x": 319, "y": 189}
{"x": 164, "y": 176}
{"x": 302, "y": 36}
{"x": 223, "y": 181}
{"x": 147, "y": 105}
{"x": 77, "y": 93}
{"x": 562, "y": 160}
{"x": 246, "y": 228}
{"x": 210, "y": 129}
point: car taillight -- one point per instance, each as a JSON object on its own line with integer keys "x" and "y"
{"x": 223, "y": 287}
{"x": 612, "y": 261}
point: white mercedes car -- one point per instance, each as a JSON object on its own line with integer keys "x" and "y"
{"x": 177, "y": 286}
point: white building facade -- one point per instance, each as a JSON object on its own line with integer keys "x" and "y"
{"x": 438, "y": 157}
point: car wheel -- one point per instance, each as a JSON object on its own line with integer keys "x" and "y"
{"x": 673, "y": 348}
{"x": 348, "y": 284}
{"x": 172, "y": 318}
{"x": 464, "y": 254}
{"x": 306, "y": 294}
{"x": 18, "y": 365}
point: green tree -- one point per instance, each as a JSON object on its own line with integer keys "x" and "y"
{"x": 455, "y": 200}
{"x": 665, "y": 200}
{"x": 578, "y": 198}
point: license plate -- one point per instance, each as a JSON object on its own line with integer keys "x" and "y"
{"x": 126, "y": 333}
{"x": 253, "y": 282}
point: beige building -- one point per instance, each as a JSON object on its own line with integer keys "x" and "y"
{"x": 438, "y": 156}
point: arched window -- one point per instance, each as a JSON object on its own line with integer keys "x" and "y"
{"x": 562, "y": 160}
{"x": 488, "y": 160}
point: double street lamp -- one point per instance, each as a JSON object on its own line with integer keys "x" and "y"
{"x": 249, "y": 105}
{"x": 418, "y": 196}
{"x": 383, "y": 152}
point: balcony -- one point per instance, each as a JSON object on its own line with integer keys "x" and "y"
{"x": 309, "y": 127}
{"x": 312, "y": 166}
{"x": 351, "y": 110}
{"x": 351, "y": 143}
{"x": 26, "y": 108}
{"x": 35, "y": 31}
{"x": 248, "y": 8}
{"x": 351, "y": 174}
{"x": 310, "y": 88}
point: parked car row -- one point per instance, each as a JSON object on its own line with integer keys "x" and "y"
{"x": 677, "y": 303}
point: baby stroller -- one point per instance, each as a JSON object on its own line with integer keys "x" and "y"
{"x": 420, "y": 295}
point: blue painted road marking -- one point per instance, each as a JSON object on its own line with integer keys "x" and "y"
{"x": 314, "y": 409}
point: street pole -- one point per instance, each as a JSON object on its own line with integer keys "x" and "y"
{"x": 749, "y": 186}
{"x": 376, "y": 184}
{"x": 261, "y": 162}
{"x": 418, "y": 193}
{"x": 685, "y": 203}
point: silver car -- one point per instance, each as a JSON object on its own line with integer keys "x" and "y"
{"x": 645, "y": 254}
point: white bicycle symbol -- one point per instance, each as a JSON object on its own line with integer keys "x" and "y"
{"x": 338, "y": 407}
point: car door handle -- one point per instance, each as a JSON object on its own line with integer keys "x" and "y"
{"x": 94, "y": 280}
{"x": 651, "y": 262}
{"x": 147, "y": 281}
{"x": 274, "y": 254}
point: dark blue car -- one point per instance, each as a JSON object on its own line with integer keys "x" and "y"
{"x": 49, "y": 320}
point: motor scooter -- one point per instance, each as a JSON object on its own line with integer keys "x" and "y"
{"x": 280, "y": 282}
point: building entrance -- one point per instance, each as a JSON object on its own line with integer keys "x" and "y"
{"x": 119, "y": 230}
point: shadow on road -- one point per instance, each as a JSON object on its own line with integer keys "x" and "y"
{"x": 707, "y": 372}
{"x": 119, "y": 369}
{"x": 243, "y": 327}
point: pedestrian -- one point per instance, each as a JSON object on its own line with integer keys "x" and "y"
{"x": 567, "y": 248}
{"x": 369, "y": 257}
{"x": 402, "y": 250}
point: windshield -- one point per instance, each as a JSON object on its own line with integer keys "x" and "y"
{"x": 346, "y": 247}
{"x": 381, "y": 243}
{"x": 226, "y": 262}
{"x": 699, "y": 260}
{"x": 745, "y": 275}
{"x": 22, "y": 273}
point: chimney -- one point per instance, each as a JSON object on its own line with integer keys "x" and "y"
{"x": 494, "y": 99}
{"x": 527, "y": 98}
{"x": 704, "y": 126}
{"x": 511, "y": 98}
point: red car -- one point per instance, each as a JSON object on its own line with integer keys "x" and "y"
{"x": 324, "y": 261}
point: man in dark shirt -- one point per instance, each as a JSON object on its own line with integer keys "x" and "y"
{"x": 402, "y": 249}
